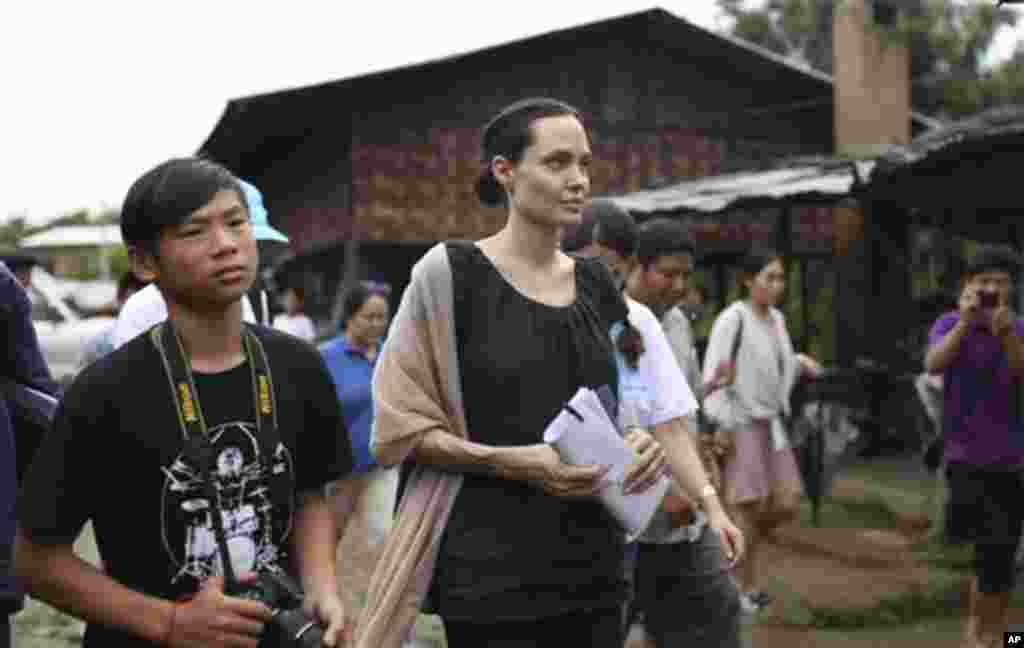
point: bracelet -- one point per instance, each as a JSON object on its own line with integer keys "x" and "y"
{"x": 708, "y": 491}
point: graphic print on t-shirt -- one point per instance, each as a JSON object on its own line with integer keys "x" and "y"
{"x": 255, "y": 506}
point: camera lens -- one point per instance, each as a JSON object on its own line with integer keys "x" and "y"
{"x": 296, "y": 629}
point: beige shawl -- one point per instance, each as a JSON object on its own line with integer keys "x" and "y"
{"x": 416, "y": 389}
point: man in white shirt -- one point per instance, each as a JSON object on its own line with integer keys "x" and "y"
{"x": 146, "y": 308}
{"x": 682, "y": 582}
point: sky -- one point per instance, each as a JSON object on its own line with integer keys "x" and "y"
{"x": 95, "y": 93}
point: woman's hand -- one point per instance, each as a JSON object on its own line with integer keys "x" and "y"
{"x": 649, "y": 466}
{"x": 733, "y": 544}
{"x": 541, "y": 465}
{"x": 725, "y": 375}
{"x": 327, "y": 608}
{"x": 809, "y": 366}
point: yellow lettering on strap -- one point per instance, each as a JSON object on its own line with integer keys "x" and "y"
{"x": 265, "y": 403}
{"x": 188, "y": 408}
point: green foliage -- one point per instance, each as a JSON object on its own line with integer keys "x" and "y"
{"x": 13, "y": 231}
{"x": 118, "y": 259}
{"x": 819, "y": 330}
{"x": 16, "y": 227}
{"x": 801, "y": 29}
{"x": 1005, "y": 84}
{"x": 947, "y": 40}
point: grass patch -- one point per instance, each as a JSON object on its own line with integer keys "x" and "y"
{"x": 935, "y": 553}
{"x": 898, "y": 610}
{"x": 871, "y": 512}
{"x": 430, "y": 630}
{"x": 911, "y": 609}
{"x": 929, "y": 629}
{"x": 901, "y": 483}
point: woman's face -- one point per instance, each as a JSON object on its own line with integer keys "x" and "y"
{"x": 550, "y": 184}
{"x": 292, "y": 303}
{"x": 370, "y": 322}
{"x": 767, "y": 286}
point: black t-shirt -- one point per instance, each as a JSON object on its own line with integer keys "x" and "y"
{"x": 115, "y": 457}
{"x": 510, "y": 551}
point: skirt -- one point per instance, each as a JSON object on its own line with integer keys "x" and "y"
{"x": 756, "y": 470}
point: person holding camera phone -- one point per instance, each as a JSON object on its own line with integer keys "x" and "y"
{"x": 199, "y": 451}
{"x": 978, "y": 351}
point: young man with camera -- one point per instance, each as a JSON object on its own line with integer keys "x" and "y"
{"x": 199, "y": 451}
{"x": 978, "y": 351}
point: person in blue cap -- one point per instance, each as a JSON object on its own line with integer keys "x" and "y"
{"x": 146, "y": 307}
{"x": 269, "y": 241}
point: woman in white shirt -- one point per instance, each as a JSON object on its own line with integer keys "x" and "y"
{"x": 761, "y": 481}
{"x": 293, "y": 320}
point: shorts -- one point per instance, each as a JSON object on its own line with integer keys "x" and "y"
{"x": 601, "y": 628}
{"x": 985, "y": 508}
{"x": 687, "y": 594}
{"x": 756, "y": 470}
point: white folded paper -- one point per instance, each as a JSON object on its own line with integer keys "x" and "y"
{"x": 583, "y": 433}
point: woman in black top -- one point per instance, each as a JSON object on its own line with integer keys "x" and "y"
{"x": 529, "y": 555}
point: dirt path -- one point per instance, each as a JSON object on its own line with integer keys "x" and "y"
{"x": 824, "y": 567}
{"x": 776, "y": 637}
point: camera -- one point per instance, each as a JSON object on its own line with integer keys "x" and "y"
{"x": 988, "y": 299}
{"x": 289, "y": 626}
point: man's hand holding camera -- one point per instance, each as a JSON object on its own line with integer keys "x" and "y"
{"x": 1003, "y": 325}
{"x": 1002, "y": 321}
{"x": 212, "y": 618}
{"x": 970, "y": 307}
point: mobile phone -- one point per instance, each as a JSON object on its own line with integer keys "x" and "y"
{"x": 987, "y": 299}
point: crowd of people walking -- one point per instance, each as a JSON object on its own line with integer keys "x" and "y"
{"x": 220, "y": 451}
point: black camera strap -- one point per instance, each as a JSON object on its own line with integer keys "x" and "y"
{"x": 198, "y": 445}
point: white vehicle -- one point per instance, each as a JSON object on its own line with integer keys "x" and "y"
{"x": 63, "y": 334}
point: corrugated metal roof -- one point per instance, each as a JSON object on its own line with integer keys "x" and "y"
{"x": 969, "y": 168}
{"x": 809, "y": 181}
{"x": 74, "y": 236}
{"x": 996, "y": 122}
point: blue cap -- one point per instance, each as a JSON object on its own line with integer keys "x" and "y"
{"x": 261, "y": 229}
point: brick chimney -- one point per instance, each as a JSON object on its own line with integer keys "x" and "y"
{"x": 872, "y": 78}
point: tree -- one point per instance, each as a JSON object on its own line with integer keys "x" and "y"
{"x": 798, "y": 29}
{"x": 1005, "y": 84}
{"x": 12, "y": 231}
{"x": 947, "y": 41}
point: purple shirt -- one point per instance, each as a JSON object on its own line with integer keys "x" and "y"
{"x": 981, "y": 411}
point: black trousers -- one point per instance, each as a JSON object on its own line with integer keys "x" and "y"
{"x": 985, "y": 509}
{"x": 5, "y": 631}
{"x": 590, "y": 628}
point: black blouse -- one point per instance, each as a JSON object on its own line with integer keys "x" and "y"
{"x": 510, "y": 551}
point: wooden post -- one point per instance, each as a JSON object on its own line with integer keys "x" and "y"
{"x": 853, "y": 281}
